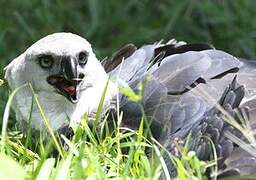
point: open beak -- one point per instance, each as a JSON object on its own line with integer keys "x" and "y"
{"x": 67, "y": 81}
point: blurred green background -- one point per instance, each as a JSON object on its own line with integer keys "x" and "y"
{"x": 229, "y": 25}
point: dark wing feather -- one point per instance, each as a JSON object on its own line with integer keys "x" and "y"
{"x": 135, "y": 66}
{"x": 111, "y": 63}
{"x": 240, "y": 163}
{"x": 171, "y": 49}
{"x": 178, "y": 72}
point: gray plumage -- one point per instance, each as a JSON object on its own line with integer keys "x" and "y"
{"x": 173, "y": 100}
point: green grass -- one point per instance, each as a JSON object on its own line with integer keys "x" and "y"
{"x": 108, "y": 25}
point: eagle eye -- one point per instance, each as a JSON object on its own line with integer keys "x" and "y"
{"x": 46, "y": 61}
{"x": 82, "y": 58}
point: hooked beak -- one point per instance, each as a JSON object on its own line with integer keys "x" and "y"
{"x": 67, "y": 81}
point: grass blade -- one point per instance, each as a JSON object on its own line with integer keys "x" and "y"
{"x": 62, "y": 171}
{"x": 46, "y": 169}
{"x": 6, "y": 116}
{"x": 46, "y": 121}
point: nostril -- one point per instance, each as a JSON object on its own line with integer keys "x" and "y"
{"x": 81, "y": 76}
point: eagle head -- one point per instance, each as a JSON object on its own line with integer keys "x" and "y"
{"x": 64, "y": 73}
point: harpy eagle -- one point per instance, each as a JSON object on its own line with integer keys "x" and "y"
{"x": 69, "y": 82}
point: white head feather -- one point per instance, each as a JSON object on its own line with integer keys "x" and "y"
{"x": 57, "y": 108}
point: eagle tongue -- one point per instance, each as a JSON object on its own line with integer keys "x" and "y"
{"x": 71, "y": 90}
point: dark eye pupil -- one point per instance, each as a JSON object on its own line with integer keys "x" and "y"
{"x": 46, "y": 61}
{"x": 82, "y": 58}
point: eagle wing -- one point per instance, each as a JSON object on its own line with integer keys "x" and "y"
{"x": 173, "y": 99}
